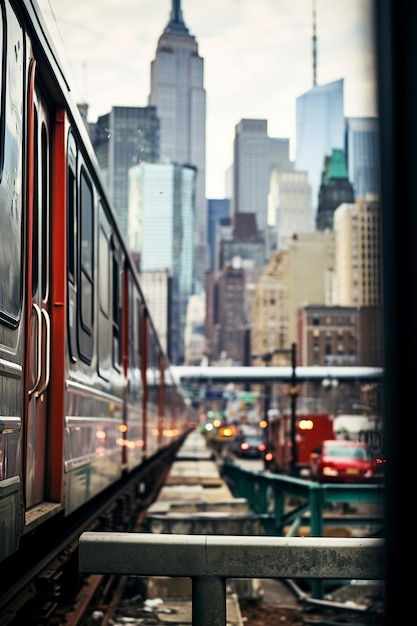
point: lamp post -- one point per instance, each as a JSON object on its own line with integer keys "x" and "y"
{"x": 266, "y": 358}
{"x": 293, "y": 392}
{"x": 293, "y": 399}
{"x": 330, "y": 384}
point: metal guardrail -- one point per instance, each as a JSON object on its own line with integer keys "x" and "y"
{"x": 267, "y": 493}
{"x": 210, "y": 560}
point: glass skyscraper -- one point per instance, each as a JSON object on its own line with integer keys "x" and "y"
{"x": 320, "y": 128}
{"x": 161, "y": 229}
{"x": 218, "y": 213}
{"x": 177, "y": 90}
{"x": 255, "y": 156}
{"x": 122, "y": 138}
{"x": 362, "y": 153}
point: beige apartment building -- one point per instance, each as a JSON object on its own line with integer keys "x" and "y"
{"x": 358, "y": 276}
{"x": 295, "y": 277}
{"x": 270, "y": 313}
{"x": 330, "y": 270}
{"x": 289, "y": 207}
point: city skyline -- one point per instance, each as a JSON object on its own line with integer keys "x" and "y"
{"x": 103, "y": 49}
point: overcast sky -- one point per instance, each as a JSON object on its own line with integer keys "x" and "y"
{"x": 257, "y": 59}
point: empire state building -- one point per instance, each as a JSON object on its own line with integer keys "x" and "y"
{"x": 177, "y": 90}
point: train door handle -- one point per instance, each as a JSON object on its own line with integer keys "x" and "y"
{"x": 38, "y": 314}
{"x": 46, "y": 353}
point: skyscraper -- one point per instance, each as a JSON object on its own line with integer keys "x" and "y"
{"x": 362, "y": 153}
{"x": 289, "y": 207}
{"x": 255, "y": 156}
{"x": 177, "y": 90}
{"x": 320, "y": 128}
{"x": 161, "y": 197}
{"x": 122, "y": 138}
{"x": 335, "y": 189}
{"x": 218, "y": 213}
{"x": 357, "y": 228}
{"x": 245, "y": 242}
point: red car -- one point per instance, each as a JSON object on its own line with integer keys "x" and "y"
{"x": 342, "y": 461}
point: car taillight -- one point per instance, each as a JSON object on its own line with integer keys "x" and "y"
{"x": 262, "y": 447}
{"x": 244, "y": 446}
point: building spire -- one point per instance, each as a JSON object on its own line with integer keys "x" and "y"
{"x": 314, "y": 46}
{"x": 176, "y": 22}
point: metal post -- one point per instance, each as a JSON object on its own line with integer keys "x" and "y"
{"x": 293, "y": 397}
{"x": 267, "y": 402}
{"x": 209, "y": 601}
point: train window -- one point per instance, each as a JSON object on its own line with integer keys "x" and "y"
{"x": 11, "y": 173}
{"x": 86, "y": 270}
{"x": 87, "y": 243}
{"x": 152, "y": 365}
{"x": 86, "y": 254}
{"x": 139, "y": 322}
{"x": 104, "y": 255}
{"x": 71, "y": 212}
{"x": 132, "y": 326}
{"x": 104, "y": 311}
{"x": 117, "y": 303}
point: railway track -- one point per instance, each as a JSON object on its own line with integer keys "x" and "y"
{"x": 41, "y": 583}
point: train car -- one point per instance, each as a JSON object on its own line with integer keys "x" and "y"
{"x": 310, "y": 430}
{"x": 85, "y": 388}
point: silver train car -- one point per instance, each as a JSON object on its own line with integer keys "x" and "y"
{"x": 86, "y": 392}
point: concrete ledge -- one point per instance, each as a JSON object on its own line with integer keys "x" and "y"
{"x": 202, "y": 556}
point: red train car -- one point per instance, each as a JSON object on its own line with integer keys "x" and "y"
{"x": 87, "y": 394}
{"x": 310, "y": 430}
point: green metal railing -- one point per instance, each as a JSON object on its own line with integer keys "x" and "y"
{"x": 284, "y": 503}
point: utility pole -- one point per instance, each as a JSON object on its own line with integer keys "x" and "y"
{"x": 293, "y": 398}
{"x": 267, "y": 358}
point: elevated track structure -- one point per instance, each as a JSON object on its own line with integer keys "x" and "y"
{"x": 250, "y": 374}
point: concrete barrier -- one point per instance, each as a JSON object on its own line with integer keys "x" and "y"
{"x": 210, "y": 560}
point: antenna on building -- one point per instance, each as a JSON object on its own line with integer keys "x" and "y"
{"x": 314, "y": 46}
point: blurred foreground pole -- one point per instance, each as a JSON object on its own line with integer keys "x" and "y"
{"x": 396, "y": 51}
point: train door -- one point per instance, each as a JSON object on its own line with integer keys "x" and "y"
{"x": 38, "y": 296}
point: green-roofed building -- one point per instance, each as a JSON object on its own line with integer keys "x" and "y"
{"x": 335, "y": 188}
{"x": 334, "y": 167}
